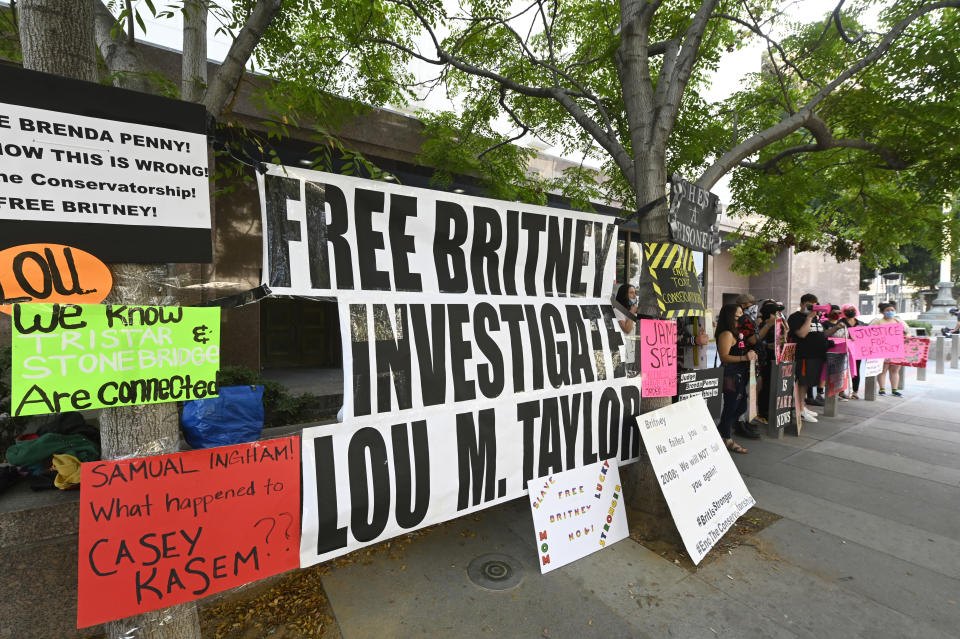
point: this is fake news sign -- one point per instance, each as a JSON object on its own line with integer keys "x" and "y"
{"x": 164, "y": 530}
{"x": 81, "y": 356}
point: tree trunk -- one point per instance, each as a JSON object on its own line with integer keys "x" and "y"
{"x": 194, "y": 61}
{"x": 57, "y": 36}
{"x": 640, "y": 484}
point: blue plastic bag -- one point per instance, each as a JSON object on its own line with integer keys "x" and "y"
{"x": 235, "y": 417}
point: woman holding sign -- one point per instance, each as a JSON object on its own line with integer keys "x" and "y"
{"x": 736, "y": 358}
{"x": 889, "y": 310}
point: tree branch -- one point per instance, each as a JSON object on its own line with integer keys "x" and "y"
{"x": 770, "y": 42}
{"x": 122, "y": 58}
{"x": 604, "y": 136}
{"x": 670, "y": 89}
{"x": 524, "y": 128}
{"x": 230, "y": 72}
{"x": 788, "y": 125}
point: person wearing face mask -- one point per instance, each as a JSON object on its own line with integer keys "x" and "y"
{"x": 736, "y": 358}
{"x": 755, "y": 337}
{"x": 891, "y": 371}
{"x": 847, "y": 321}
{"x": 625, "y": 310}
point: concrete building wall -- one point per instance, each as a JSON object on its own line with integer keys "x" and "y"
{"x": 721, "y": 279}
{"x": 831, "y": 281}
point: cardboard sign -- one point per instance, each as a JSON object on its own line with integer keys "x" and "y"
{"x": 878, "y": 341}
{"x": 836, "y": 373}
{"x": 693, "y": 216}
{"x": 51, "y": 273}
{"x": 118, "y": 173}
{"x": 781, "y": 408}
{"x": 75, "y": 357}
{"x": 703, "y": 488}
{"x": 160, "y": 531}
{"x": 752, "y": 411}
{"x": 658, "y": 358}
{"x": 871, "y": 367}
{"x": 703, "y": 383}
{"x": 915, "y": 352}
{"x": 576, "y": 513}
{"x": 676, "y": 284}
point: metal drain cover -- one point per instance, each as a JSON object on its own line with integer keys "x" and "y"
{"x": 495, "y": 572}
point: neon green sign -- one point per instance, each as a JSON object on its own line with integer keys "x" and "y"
{"x": 79, "y": 356}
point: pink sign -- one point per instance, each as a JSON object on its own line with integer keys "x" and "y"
{"x": 878, "y": 341}
{"x": 849, "y": 347}
{"x": 658, "y": 358}
{"x": 915, "y": 352}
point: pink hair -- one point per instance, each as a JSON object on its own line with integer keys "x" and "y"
{"x": 846, "y": 306}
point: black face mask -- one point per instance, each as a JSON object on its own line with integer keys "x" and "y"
{"x": 850, "y": 314}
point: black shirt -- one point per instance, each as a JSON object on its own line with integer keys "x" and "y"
{"x": 814, "y": 345}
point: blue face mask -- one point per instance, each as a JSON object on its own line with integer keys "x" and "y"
{"x": 632, "y": 300}
{"x": 889, "y": 314}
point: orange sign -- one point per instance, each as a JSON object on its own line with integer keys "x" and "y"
{"x": 51, "y": 273}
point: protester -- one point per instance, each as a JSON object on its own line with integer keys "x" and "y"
{"x": 847, "y": 321}
{"x": 735, "y": 355}
{"x": 627, "y": 299}
{"x": 772, "y": 340}
{"x": 892, "y": 371}
{"x": 947, "y": 331}
{"x": 754, "y": 335}
{"x": 811, "y": 339}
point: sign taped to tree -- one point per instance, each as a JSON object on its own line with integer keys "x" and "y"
{"x": 36, "y": 273}
{"x": 703, "y": 383}
{"x": 658, "y": 357}
{"x": 693, "y": 216}
{"x": 676, "y": 284}
{"x": 703, "y": 488}
{"x": 79, "y": 356}
{"x": 481, "y": 351}
{"x": 164, "y": 530}
{"x": 121, "y": 174}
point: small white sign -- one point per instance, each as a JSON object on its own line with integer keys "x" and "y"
{"x": 576, "y": 513}
{"x": 870, "y": 367}
{"x": 702, "y": 486}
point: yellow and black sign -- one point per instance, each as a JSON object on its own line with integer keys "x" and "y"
{"x": 675, "y": 280}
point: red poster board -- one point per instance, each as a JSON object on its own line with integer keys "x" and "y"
{"x": 915, "y": 352}
{"x": 164, "y": 530}
{"x": 658, "y": 358}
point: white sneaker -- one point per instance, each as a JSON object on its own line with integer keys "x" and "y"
{"x": 809, "y": 415}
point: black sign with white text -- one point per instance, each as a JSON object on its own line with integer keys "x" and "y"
{"x": 693, "y": 216}
{"x": 781, "y": 394}
{"x": 703, "y": 383}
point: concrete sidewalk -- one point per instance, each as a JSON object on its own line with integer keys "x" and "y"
{"x": 869, "y": 546}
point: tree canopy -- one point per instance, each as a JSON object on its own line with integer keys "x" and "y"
{"x": 843, "y": 140}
